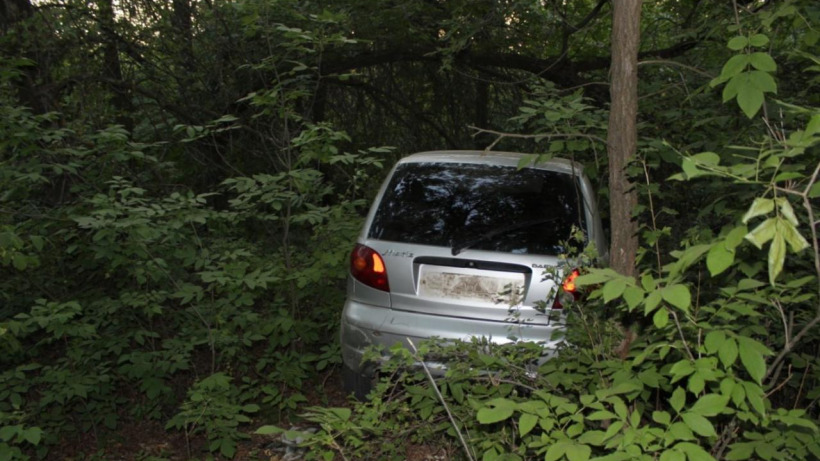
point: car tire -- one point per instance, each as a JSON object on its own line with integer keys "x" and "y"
{"x": 356, "y": 383}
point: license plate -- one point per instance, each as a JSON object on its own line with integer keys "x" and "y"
{"x": 498, "y": 288}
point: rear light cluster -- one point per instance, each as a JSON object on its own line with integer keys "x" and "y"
{"x": 367, "y": 266}
{"x": 568, "y": 287}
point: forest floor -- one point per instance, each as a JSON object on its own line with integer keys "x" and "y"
{"x": 147, "y": 440}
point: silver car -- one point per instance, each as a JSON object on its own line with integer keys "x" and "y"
{"x": 455, "y": 243}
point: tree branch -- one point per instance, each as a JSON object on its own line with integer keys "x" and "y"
{"x": 559, "y": 69}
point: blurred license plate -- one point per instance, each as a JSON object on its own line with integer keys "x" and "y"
{"x": 498, "y": 288}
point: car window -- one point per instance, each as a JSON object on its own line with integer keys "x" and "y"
{"x": 486, "y": 207}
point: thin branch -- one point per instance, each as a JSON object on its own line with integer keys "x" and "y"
{"x": 814, "y": 243}
{"x": 669, "y": 62}
{"x": 793, "y": 341}
{"x": 780, "y": 386}
{"x": 652, "y": 214}
{"x": 682, "y": 336}
{"x": 500, "y": 135}
{"x": 589, "y": 17}
{"x": 441, "y": 399}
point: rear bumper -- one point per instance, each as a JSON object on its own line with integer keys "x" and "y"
{"x": 364, "y": 325}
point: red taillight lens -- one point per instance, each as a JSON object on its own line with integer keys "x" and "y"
{"x": 367, "y": 266}
{"x": 567, "y": 287}
{"x": 569, "y": 282}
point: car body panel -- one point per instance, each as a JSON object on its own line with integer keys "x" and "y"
{"x": 438, "y": 291}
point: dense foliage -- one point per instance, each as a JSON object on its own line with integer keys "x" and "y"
{"x": 180, "y": 183}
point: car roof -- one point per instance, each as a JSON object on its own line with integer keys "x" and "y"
{"x": 493, "y": 158}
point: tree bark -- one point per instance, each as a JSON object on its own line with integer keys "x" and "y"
{"x": 112, "y": 67}
{"x": 622, "y": 137}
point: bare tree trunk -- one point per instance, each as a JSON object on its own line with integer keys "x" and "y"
{"x": 182, "y": 22}
{"x": 622, "y": 137}
{"x": 112, "y": 67}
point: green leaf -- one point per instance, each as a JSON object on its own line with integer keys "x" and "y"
{"x": 652, "y": 302}
{"x": 749, "y": 99}
{"x": 37, "y": 242}
{"x": 763, "y": 81}
{"x": 777, "y": 257}
{"x": 814, "y": 192}
{"x": 787, "y": 211}
{"x": 738, "y": 43}
{"x": 227, "y": 448}
{"x": 8, "y": 432}
{"x": 678, "y": 296}
{"x": 613, "y": 289}
{"x": 762, "y": 62}
{"x": 735, "y": 237}
{"x": 759, "y": 40}
{"x": 19, "y": 261}
{"x": 577, "y": 452}
{"x": 694, "y": 452}
{"x": 728, "y": 352}
{"x": 672, "y": 455}
{"x": 526, "y": 160}
{"x": 760, "y": 206}
{"x": 596, "y": 276}
{"x": 595, "y": 438}
{"x": 706, "y": 158}
{"x": 495, "y": 411}
{"x": 33, "y": 435}
{"x": 526, "y": 423}
{"x": 253, "y": 408}
{"x": 796, "y": 241}
{"x": 601, "y": 415}
{"x": 754, "y": 395}
{"x": 633, "y": 297}
{"x": 619, "y": 406}
{"x": 661, "y": 318}
{"x": 612, "y": 430}
{"x": 762, "y": 233}
{"x": 752, "y": 359}
{"x": 741, "y": 450}
{"x": 698, "y": 424}
{"x": 734, "y": 66}
{"x": 678, "y": 399}
{"x": 648, "y": 283}
{"x": 556, "y": 451}
{"x": 661, "y": 417}
{"x": 731, "y": 89}
{"x": 696, "y": 382}
{"x": 681, "y": 431}
{"x": 713, "y": 341}
{"x": 343, "y": 414}
{"x": 690, "y": 168}
{"x": 719, "y": 258}
{"x": 268, "y": 430}
{"x": 710, "y": 404}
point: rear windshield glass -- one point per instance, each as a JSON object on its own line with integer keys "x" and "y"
{"x": 484, "y": 207}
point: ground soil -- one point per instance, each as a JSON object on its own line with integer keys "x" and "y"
{"x": 148, "y": 439}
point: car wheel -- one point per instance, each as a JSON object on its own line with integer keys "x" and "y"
{"x": 356, "y": 383}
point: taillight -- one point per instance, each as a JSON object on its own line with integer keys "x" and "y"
{"x": 367, "y": 266}
{"x": 569, "y": 282}
{"x": 568, "y": 287}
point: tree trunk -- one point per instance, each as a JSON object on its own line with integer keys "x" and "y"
{"x": 622, "y": 137}
{"x": 182, "y": 23}
{"x": 112, "y": 67}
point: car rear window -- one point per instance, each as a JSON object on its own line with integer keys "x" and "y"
{"x": 479, "y": 206}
